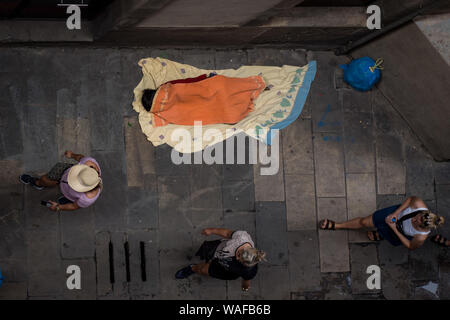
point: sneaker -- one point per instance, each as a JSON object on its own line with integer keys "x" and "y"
{"x": 184, "y": 273}
{"x": 27, "y": 179}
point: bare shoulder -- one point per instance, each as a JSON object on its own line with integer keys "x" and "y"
{"x": 93, "y": 193}
{"x": 416, "y": 202}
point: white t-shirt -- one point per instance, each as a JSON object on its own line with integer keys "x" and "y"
{"x": 408, "y": 228}
{"x": 227, "y": 248}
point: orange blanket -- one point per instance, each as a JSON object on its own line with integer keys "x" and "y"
{"x": 218, "y": 99}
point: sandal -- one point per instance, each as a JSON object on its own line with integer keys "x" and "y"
{"x": 327, "y": 226}
{"x": 376, "y": 236}
{"x": 440, "y": 240}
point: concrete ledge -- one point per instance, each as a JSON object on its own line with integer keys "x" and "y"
{"x": 325, "y": 17}
{"x": 43, "y": 31}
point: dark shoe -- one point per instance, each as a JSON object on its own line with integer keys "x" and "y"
{"x": 27, "y": 179}
{"x": 184, "y": 273}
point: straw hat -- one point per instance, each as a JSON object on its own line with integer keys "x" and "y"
{"x": 83, "y": 178}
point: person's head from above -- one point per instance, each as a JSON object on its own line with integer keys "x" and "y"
{"x": 250, "y": 256}
{"x": 147, "y": 99}
{"x": 83, "y": 178}
{"x": 428, "y": 220}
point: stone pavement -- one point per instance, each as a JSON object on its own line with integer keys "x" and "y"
{"x": 348, "y": 154}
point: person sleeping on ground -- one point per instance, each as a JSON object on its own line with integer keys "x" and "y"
{"x": 211, "y": 100}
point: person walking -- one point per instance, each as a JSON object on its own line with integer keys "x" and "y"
{"x": 80, "y": 184}
{"x": 409, "y": 223}
{"x": 229, "y": 258}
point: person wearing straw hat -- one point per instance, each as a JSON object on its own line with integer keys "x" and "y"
{"x": 80, "y": 184}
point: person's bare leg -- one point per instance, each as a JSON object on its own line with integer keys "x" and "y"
{"x": 354, "y": 224}
{"x": 44, "y": 181}
{"x": 201, "y": 268}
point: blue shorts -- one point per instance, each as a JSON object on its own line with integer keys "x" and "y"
{"x": 378, "y": 219}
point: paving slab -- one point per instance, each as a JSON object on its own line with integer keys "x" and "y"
{"x": 276, "y": 57}
{"x": 270, "y": 187}
{"x": 37, "y": 216}
{"x": 441, "y": 172}
{"x": 423, "y": 262}
{"x": 73, "y": 134}
{"x": 170, "y": 261}
{"x": 88, "y": 280}
{"x": 443, "y": 206}
{"x": 391, "y": 169}
{"x": 361, "y": 257}
{"x": 395, "y": 282}
{"x": 234, "y": 290}
{"x": 12, "y": 223}
{"x": 207, "y": 288}
{"x": 77, "y": 234}
{"x": 175, "y": 224}
{"x": 327, "y": 115}
{"x": 110, "y": 207}
{"x": 39, "y": 147}
{"x": 102, "y": 260}
{"x": 13, "y": 291}
{"x": 419, "y": 173}
{"x": 205, "y": 218}
{"x": 206, "y": 186}
{"x": 144, "y": 264}
{"x": 384, "y": 201}
{"x": 390, "y": 255}
{"x": 164, "y": 165}
{"x": 143, "y": 205}
{"x": 329, "y": 165}
{"x": 10, "y": 125}
{"x": 361, "y": 200}
{"x": 444, "y": 280}
{"x": 140, "y": 153}
{"x": 241, "y": 221}
{"x": 44, "y": 277}
{"x": 274, "y": 282}
{"x": 238, "y": 195}
{"x": 203, "y": 59}
{"x": 271, "y": 231}
{"x": 333, "y": 245}
{"x": 105, "y": 115}
{"x": 298, "y": 156}
{"x": 120, "y": 286}
{"x": 226, "y": 59}
{"x": 359, "y": 142}
{"x": 304, "y": 264}
{"x": 300, "y": 202}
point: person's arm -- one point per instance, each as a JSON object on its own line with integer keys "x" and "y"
{"x": 245, "y": 285}
{"x": 64, "y": 207}
{"x": 416, "y": 242}
{"x": 404, "y": 205}
{"x": 225, "y": 233}
{"x": 69, "y": 154}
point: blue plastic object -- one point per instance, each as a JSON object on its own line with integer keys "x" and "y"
{"x": 1, "y": 278}
{"x": 362, "y": 74}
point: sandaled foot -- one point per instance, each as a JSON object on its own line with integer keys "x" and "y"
{"x": 374, "y": 236}
{"x": 440, "y": 240}
{"x": 326, "y": 224}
